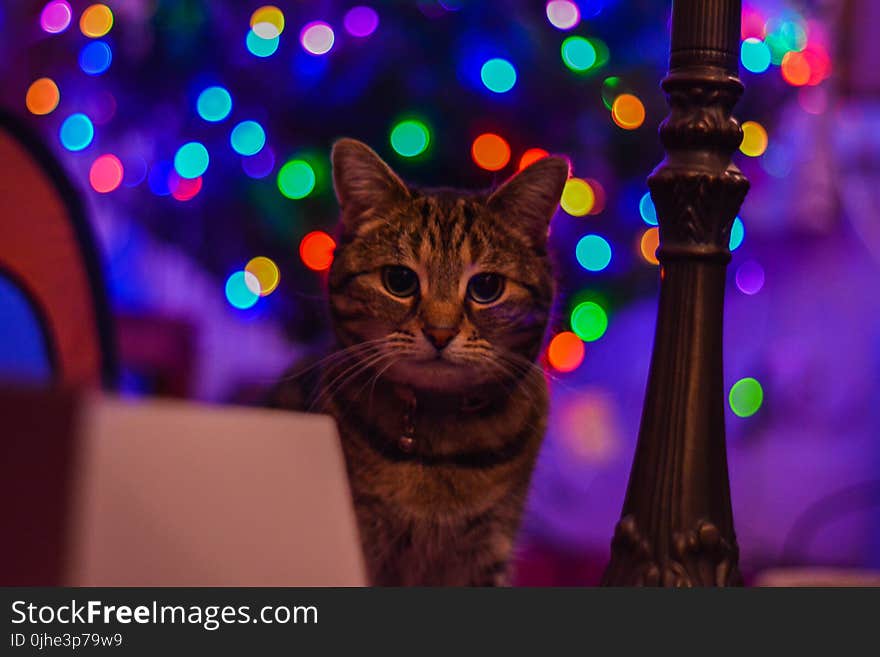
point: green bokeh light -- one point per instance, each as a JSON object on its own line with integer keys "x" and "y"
{"x": 589, "y": 321}
{"x": 611, "y": 88}
{"x": 296, "y": 179}
{"x": 602, "y": 52}
{"x": 746, "y": 397}
{"x": 410, "y": 138}
{"x": 785, "y": 34}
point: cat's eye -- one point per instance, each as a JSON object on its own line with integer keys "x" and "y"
{"x": 400, "y": 281}
{"x": 485, "y": 288}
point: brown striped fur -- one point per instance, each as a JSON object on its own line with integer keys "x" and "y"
{"x": 446, "y": 512}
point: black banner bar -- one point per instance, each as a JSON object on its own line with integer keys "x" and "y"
{"x": 323, "y": 621}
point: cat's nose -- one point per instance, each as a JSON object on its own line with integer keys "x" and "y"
{"x": 439, "y": 336}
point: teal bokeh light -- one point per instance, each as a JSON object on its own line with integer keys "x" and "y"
{"x": 737, "y": 234}
{"x": 214, "y": 104}
{"x": 260, "y": 47}
{"x": 578, "y": 54}
{"x": 76, "y": 132}
{"x": 755, "y": 55}
{"x": 240, "y": 290}
{"x": 247, "y": 138}
{"x": 593, "y": 252}
{"x": 498, "y": 75}
{"x": 410, "y": 138}
{"x": 191, "y": 160}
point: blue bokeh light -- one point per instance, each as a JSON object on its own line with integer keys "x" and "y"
{"x": 778, "y": 159}
{"x": 95, "y": 57}
{"x": 259, "y": 165}
{"x": 135, "y": 170}
{"x": 158, "y": 178}
{"x": 647, "y": 209}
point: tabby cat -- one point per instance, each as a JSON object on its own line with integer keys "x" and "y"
{"x": 439, "y": 301}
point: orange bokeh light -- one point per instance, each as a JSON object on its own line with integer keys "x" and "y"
{"x": 649, "y": 243}
{"x": 531, "y": 156}
{"x": 96, "y": 21}
{"x": 490, "y": 152}
{"x": 628, "y": 112}
{"x": 316, "y": 250}
{"x": 42, "y": 96}
{"x": 796, "y": 69}
{"x": 565, "y": 352}
{"x": 266, "y": 272}
{"x": 272, "y": 20}
{"x": 106, "y": 173}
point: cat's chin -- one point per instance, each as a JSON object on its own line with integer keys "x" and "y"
{"x": 435, "y": 375}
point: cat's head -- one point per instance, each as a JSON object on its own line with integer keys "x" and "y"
{"x": 441, "y": 289}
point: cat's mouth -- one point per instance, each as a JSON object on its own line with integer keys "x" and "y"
{"x": 437, "y": 372}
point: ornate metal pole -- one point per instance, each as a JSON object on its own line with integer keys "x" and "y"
{"x": 676, "y": 527}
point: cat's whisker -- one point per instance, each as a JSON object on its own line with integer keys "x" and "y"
{"x": 511, "y": 374}
{"x": 512, "y": 369}
{"x": 346, "y": 352}
{"x": 333, "y": 370}
{"x": 328, "y": 389}
{"x": 524, "y": 362}
{"x": 489, "y": 359}
{"x": 349, "y": 375}
{"x": 380, "y": 369}
{"x": 374, "y": 379}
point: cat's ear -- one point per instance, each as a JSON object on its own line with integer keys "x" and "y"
{"x": 528, "y": 200}
{"x": 362, "y": 180}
